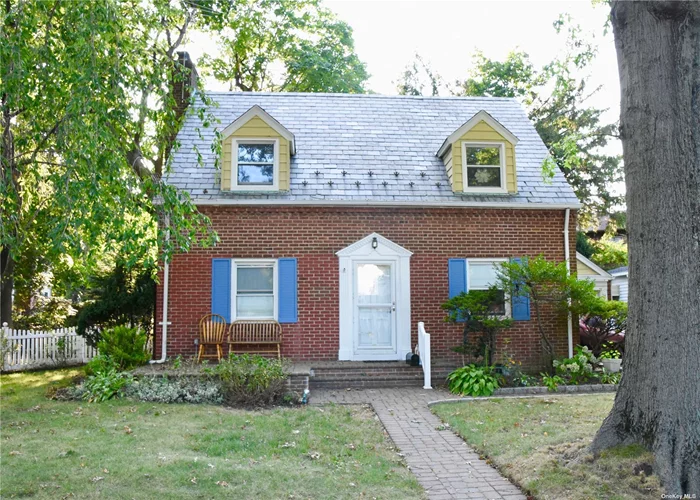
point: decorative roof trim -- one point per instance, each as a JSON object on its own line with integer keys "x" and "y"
{"x": 594, "y": 266}
{"x": 254, "y": 111}
{"x": 367, "y": 240}
{"x": 380, "y": 203}
{"x": 469, "y": 124}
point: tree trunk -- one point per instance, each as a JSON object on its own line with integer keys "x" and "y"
{"x": 7, "y": 281}
{"x": 658, "y": 402}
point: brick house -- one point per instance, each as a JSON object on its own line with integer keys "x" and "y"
{"x": 350, "y": 218}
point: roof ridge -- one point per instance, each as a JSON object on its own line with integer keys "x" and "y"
{"x": 362, "y": 96}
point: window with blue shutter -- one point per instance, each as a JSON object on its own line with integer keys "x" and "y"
{"x": 287, "y": 293}
{"x": 221, "y": 288}
{"x": 520, "y": 302}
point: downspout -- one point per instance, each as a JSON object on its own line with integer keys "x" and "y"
{"x": 569, "y": 327}
{"x": 164, "y": 323}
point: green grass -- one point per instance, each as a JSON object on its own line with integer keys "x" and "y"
{"x": 124, "y": 449}
{"x": 541, "y": 444}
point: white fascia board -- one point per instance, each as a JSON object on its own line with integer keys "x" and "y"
{"x": 267, "y": 118}
{"x": 370, "y": 203}
{"x": 469, "y": 124}
{"x": 603, "y": 273}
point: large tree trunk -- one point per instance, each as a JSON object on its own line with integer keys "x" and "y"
{"x": 7, "y": 281}
{"x": 658, "y": 402}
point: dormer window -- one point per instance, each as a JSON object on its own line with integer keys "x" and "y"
{"x": 256, "y": 152}
{"x": 256, "y": 164}
{"x": 484, "y": 168}
{"x": 479, "y": 157}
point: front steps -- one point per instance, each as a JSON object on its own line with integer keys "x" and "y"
{"x": 364, "y": 375}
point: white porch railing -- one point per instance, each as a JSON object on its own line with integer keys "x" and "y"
{"x": 28, "y": 349}
{"x": 424, "y": 353}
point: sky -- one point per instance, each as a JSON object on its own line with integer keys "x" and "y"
{"x": 445, "y": 33}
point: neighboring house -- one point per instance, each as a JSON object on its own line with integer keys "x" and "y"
{"x": 620, "y": 283}
{"x": 350, "y": 218}
{"x": 586, "y": 269}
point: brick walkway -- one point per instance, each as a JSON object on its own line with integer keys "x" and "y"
{"x": 443, "y": 463}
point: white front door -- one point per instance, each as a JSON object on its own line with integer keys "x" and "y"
{"x": 374, "y": 300}
{"x": 374, "y": 310}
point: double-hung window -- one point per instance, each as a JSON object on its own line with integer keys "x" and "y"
{"x": 483, "y": 167}
{"x": 255, "y": 164}
{"x": 255, "y": 289}
{"x": 481, "y": 276}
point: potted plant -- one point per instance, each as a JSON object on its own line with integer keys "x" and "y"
{"x": 611, "y": 360}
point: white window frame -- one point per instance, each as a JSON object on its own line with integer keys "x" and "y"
{"x": 235, "y": 263}
{"x": 275, "y": 168}
{"x": 502, "y": 155}
{"x": 492, "y": 260}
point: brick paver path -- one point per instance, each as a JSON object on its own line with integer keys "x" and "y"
{"x": 443, "y": 463}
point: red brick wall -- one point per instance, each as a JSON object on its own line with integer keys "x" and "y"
{"x": 314, "y": 234}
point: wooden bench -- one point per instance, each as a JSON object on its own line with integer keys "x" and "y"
{"x": 255, "y": 333}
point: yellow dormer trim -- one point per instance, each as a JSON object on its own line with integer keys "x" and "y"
{"x": 481, "y": 129}
{"x": 257, "y": 126}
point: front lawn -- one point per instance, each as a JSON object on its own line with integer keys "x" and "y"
{"x": 540, "y": 443}
{"x": 125, "y": 449}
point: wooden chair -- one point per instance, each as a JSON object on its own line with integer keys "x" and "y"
{"x": 256, "y": 333}
{"x": 212, "y": 331}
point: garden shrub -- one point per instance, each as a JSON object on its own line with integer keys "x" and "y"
{"x": 473, "y": 380}
{"x": 124, "y": 295}
{"x": 175, "y": 390}
{"x": 251, "y": 380}
{"x": 478, "y": 310}
{"x": 105, "y": 384}
{"x": 551, "y": 382}
{"x": 125, "y": 346}
{"x": 577, "y": 369}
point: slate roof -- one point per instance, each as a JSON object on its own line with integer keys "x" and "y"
{"x": 361, "y": 133}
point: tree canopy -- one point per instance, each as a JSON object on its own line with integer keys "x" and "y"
{"x": 89, "y": 117}
{"x": 288, "y": 46}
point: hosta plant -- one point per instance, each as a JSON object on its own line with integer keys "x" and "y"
{"x": 473, "y": 380}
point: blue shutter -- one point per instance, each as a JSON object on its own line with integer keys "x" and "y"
{"x": 221, "y": 288}
{"x": 520, "y": 303}
{"x": 287, "y": 290}
{"x": 457, "y": 276}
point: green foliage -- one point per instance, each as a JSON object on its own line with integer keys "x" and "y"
{"x": 105, "y": 384}
{"x": 610, "y": 378}
{"x": 604, "y": 320}
{"x": 516, "y": 76}
{"x": 551, "y": 382}
{"x": 479, "y": 310}
{"x": 577, "y": 369}
{"x": 584, "y": 246}
{"x": 548, "y": 284}
{"x": 122, "y": 296}
{"x": 175, "y": 390}
{"x": 124, "y": 346}
{"x": 286, "y": 45}
{"x": 610, "y": 254}
{"x": 89, "y": 122}
{"x": 473, "y": 380}
{"x": 610, "y": 352}
{"x": 251, "y": 380}
{"x": 416, "y": 77}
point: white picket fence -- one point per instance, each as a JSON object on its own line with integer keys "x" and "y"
{"x": 29, "y": 349}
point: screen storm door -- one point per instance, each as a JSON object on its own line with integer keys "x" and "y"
{"x": 374, "y": 308}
